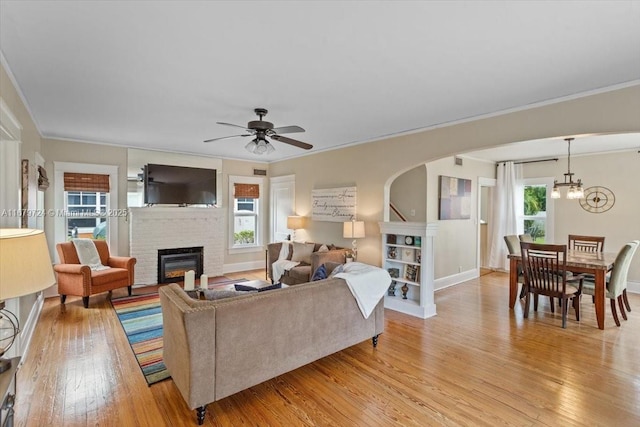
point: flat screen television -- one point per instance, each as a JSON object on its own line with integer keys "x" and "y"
{"x": 170, "y": 185}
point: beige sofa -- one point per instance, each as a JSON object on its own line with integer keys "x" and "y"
{"x": 214, "y": 349}
{"x": 303, "y": 272}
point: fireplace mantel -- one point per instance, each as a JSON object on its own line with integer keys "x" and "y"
{"x": 161, "y": 227}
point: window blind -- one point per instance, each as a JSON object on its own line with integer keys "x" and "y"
{"x": 246, "y": 191}
{"x": 86, "y": 182}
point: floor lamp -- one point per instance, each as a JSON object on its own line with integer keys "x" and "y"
{"x": 353, "y": 230}
{"x": 25, "y": 268}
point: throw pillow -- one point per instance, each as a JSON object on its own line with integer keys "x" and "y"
{"x": 251, "y": 288}
{"x": 320, "y": 273}
{"x": 323, "y": 248}
{"x": 302, "y": 252}
{"x": 332, "y": 247}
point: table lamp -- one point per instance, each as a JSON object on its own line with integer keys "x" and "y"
{"x": 353, "y": 230}
{"x": 294, "y": 223}
{"x": 25, "y": 268}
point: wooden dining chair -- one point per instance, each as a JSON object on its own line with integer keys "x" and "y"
{"x": 586, "y": 243}
{"x": 545, "y": 273}
{"x": 526, "y": 237}
{"x": 617, "y": 281}
{"x": 513, "y": 245}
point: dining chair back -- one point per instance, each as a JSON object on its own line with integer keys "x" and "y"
{"x": 617, "y": 282}
{"x": 586, "y": 243}
{"x": 526, "y": 237}
{"x": 545, "y": 273}
{"x": 513, "y": 245}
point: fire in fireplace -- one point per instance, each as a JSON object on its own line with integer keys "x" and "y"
{"x": 174, "y": 263}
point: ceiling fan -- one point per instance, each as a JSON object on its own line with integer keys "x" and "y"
{"x": 262, "y": 129}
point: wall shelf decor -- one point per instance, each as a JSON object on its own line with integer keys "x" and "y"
{"x": 333, "y": 204}
{"x": 455, "y": 198}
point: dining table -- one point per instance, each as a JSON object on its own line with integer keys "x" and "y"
{"x": 596, "y": 263}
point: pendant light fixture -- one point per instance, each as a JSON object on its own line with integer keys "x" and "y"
{"x": 575, "y": 188}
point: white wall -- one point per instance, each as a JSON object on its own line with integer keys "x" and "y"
{"x": 619, "y": 172}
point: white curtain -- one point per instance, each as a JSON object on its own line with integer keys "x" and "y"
{"x": 506, "y": 201}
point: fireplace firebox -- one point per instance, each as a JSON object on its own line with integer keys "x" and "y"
{"x": 174, "y": 263}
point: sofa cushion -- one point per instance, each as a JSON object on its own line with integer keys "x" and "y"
{"x": 300, "y": 273}
{"x": 320, "y": 273}
{"x": 302, "y": 252}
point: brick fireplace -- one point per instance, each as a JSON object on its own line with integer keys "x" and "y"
{"x": 156, "y": 228}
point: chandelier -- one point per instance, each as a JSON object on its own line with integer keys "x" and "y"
{"x": 575, "y": 188}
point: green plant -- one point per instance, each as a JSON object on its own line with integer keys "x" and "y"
{"x": 244, "y": 236}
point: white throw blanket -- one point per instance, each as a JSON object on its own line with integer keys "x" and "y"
{"x": 88, "y": 254}
{"x": 279, "y": 267}
{"x": 367, "y": 283}
{"x": 282, "y": 264}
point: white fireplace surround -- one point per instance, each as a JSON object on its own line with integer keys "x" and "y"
{"x": 159, "y": 227}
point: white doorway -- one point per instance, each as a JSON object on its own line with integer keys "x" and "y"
{"x": 283, "y": 204}
{"x": 485, "y": 187}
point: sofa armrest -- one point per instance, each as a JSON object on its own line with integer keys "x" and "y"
{"x": 319, "y": 258}
{"x": 121, "y": 262}
{"x": 273, "y": 252}
{"x": 72, "y": 269}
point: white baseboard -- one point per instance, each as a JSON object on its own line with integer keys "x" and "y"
{"x": 454, "y": 279}
{"x": 243, "y": 266}
{"x": 26, "y": 331}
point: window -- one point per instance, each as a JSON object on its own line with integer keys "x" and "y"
{"x": 86, "y": 214}
{"x": 536, "y": 214}
{"x": 245, "y": 228}
{"x": 88, "y": 200}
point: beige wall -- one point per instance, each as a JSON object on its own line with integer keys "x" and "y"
{"x": 30, "y": 145}
{"x": 619, "y": 172}
{"x": 55, "y": 150}
{"x": 408, "y": 194}
{"x": 374, "y": 165}
{"x": 456, "y": 244}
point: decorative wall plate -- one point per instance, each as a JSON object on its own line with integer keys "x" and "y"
{"x": 597, "y": 199}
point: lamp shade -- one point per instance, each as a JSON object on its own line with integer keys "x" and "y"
{"x": 353, "y": 229}
{"x": 25, "y": 264}
{"x": 295, "y": 222}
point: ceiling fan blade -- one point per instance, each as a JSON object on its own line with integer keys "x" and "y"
{"x": 235, "y": 126}
{"x": 288, "y": 129}
{"x": 293, "y": 142}
{"x": 225, "y": 137}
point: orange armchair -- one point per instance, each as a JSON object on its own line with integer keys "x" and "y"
{"x": 77, "y": 279}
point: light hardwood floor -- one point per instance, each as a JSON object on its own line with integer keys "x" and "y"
{"x": 476, "y": 363}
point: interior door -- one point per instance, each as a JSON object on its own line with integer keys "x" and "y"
{"x": 282, "y": 202}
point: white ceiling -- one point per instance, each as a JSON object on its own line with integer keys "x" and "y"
{"x": 160, "y": 74}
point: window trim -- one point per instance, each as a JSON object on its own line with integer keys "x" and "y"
{"x": 549, "y": 219}
{"x": 259, "y": 238}
{"x": 60, "y": 168}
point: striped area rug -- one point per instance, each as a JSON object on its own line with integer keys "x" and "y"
{"x": 141, "y": 319}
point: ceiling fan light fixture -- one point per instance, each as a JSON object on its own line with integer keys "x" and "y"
{"x": 251, "y": 146}
{"x": 261, "y": 147}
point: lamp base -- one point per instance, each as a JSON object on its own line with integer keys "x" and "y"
{"x": 5, "y": 364}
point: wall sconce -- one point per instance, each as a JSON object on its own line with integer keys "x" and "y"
{"x": 353, "y": 230}
{"x": 295, "y": 223}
